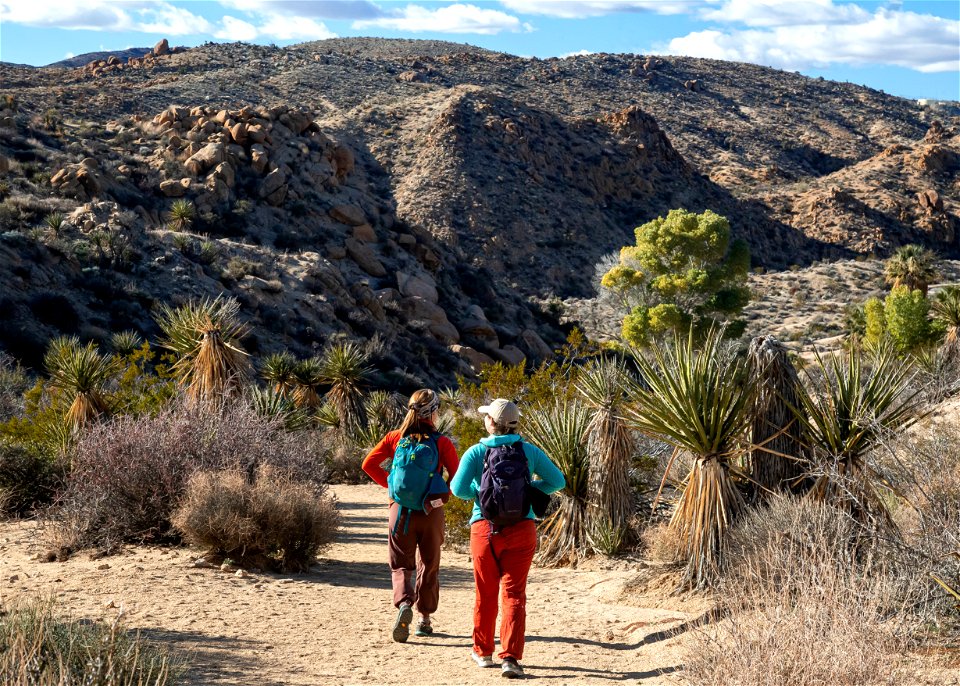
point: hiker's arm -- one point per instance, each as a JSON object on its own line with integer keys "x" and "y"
{"x": 463, "y": 484}
{"x": 549, "y": 478}
{"x": 382, "y": 451}
{"x": 448, "y": 456}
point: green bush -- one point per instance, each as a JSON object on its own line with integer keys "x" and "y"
{"x": 28, "y": 479}
{"x": 456, "y": 514}
{"x": 907, "y": 322}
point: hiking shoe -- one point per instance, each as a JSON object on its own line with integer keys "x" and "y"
{"x": 401, "y": 627}
{"x": 424, "y": 629}
{"x": 482, "y": 660}
{"x": 511, "y": 669}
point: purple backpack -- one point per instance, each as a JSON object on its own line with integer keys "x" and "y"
{"x": 504, "y": 495}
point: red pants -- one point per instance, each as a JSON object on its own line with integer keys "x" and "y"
{"x": 424, "y": 533}
{"x": 505, "y": 558}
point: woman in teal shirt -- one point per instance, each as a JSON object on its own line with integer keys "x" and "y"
{"x": 501, "y": 556}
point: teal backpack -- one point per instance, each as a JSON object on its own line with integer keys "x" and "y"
{"x": 414, "y": 473}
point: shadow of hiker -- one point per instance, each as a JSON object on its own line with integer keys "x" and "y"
{"x": 351, "y": 574}
{"x": 706, "y": 618}
{"x": 208, "y": 658}
{"x": 574, "y": 672}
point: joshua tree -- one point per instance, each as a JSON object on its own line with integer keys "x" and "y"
{"x": 343, "y": 367}
{"x": 181, "y": 215}
{"x": 205, "y": 335}
{"x": 606, "y": 387}
{"x": 307, "y": 379}
{"x": 912, "y": 266}
{"x": 81, "y": 372}
{"x": 698, "y": 401}
{"x": 850, "y": 409}
{"x": 559, "y": 431}
{"x": 776, "y": 455}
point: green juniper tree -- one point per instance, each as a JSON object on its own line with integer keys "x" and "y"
{"x": 683, "y": 274}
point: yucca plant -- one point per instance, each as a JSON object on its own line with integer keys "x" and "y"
{"x": 82, "y": 373}
{"x": 307, "y": 380}
{"x": 125, "y": 342}
{"x": 606, "y": 387}
{"x": 205, "y": 336}
{"x": 945, "y": 309}
{"x": 852, "y": 405}
{"x": 698, "y": 401}
{"x": 272, "y": 403}
{"x": 181, "y": 214}
{"x": 912, "y": 266}
{"x": 776, "y": 457}
{"x": 343, "y": 367}
{"x": 325, "y": 416}
{"x": 278, "y": 370}
{"x": 559, "y": 431}
{"x": 55, "y": 221}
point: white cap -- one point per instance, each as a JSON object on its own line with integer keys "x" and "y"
{"x": 502, "y": 411}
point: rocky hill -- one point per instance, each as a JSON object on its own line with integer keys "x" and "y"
{"x": 438, "y": 195}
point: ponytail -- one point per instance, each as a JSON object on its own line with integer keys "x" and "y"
{"x": 420, "y": 409}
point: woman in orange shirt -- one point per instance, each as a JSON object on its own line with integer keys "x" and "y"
{"x": 417, "y": 493}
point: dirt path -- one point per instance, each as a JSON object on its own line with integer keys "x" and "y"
{"x": 332, "y": 626}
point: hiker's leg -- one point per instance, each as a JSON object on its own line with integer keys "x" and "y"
{"x": 430, "y": 529}
{"x": 486, "y": 575}
{"x": 519, "y": 545}
{"x": 403, "y": 553}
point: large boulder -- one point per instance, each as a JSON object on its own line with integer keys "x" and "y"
{"x": 536, "y": 347}
{"x": 422, "y": 286}
{"x": 175, "y": 188}
{"x": 207, "y": 157}
{"x": 351, "y": 215}
{"x": 474, "y": 358}
{"x": 161, "y": 48}
{"x": 365, "y": 258}
{"x": 509, "y": 354}
{"x": 433, "y": 316}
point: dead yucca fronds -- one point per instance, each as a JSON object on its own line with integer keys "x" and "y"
{"x": 698, "y": 401}
{"x": 558, "y": 431}
{"x": 852, "y": 405}
{"x": 776, "y": 457}
{"x": 205, "y": 335}
{"x": 606, "y": 387}
{"x": 81, "y": 372}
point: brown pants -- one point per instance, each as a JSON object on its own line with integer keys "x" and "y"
{"x": 424, "y": 533}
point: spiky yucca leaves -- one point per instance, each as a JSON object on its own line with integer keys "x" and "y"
{"x": 344, "y": 369}
{"x": 82, "y": 373}
{"x": 776, "y": 457}
{"x": 384, "y": 413}
{"x": 272, "y": 403}
{"x": 851, "y": 406}
{"x": 912, "y": 266}
{"x": 125, "y": 342}
{"x": 558, "y": 431}
{"x": 205, "y": 336}
{"x": 55, "y": 222}
{"x": 307, "y": 379}
{"x": 945, "y": 308}
{"x": 697, "y": 401}
{"x": 181, "y": 215}
{"x": 606, "y": 387}
{"x": 278, "y": 369}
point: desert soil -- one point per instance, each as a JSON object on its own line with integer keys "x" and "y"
{"x": 333, "y": 625}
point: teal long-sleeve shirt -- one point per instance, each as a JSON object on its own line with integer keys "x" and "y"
{"x": 466, "y": 482}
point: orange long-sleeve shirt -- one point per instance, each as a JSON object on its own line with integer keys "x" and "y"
{"x": 384, "y": 450}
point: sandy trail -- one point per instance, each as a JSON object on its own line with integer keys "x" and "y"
{"x": 332, "y": 626}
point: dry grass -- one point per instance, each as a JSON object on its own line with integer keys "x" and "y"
{"x": 272, "y": 520}
{"x": 803, "y": 609}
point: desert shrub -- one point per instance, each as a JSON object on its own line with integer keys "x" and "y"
{"x": 456, "y": 514}
{"x": 128, "y": 474}
{"x": 801, "y": 610}
{"x": 271, "y": 518}
{"x": 13, "y": 384}
{"x": 40, "y": 648}
{"x": 28, "y": 479}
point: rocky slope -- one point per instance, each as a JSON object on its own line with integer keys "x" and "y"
{"x": 432, "y": 193}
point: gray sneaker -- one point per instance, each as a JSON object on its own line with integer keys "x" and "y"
{"x": 511, "y": 669}
{"x": 401, "y": 627}
{"x": 483, "y": 660}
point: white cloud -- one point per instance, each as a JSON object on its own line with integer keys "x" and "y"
{"x": 295, "y": 28}
{"x": 906, "y": 39}
{"x": 146, "y": 16}
{"x": 796, "y": 12}
{"x": 236, "y": 30}
{"x": 578, "y": 53}
{"x": 69, "y": 55}
{"x": 576, "y": 9}
{"x": 318, "y": 9}
{"x": 457, "y": 18}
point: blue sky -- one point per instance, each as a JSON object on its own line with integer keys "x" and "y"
{"x": 906, "y": 48}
